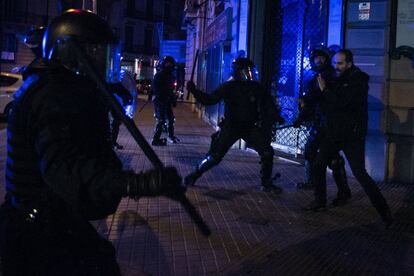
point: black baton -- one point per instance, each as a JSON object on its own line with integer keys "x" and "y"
{"x": 118, "y": 111}
{"x": 193, "y": 71}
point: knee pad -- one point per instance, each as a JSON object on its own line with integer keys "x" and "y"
{"x": 214, "y": 158}
{"x": 337, "y": 163}
{"x": 207, "y": 163}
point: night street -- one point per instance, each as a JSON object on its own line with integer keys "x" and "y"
{"x": 172, "y": 137}
{"x": 253, "y": 233}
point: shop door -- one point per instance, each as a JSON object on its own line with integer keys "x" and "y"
{"x": 303, "y": 26}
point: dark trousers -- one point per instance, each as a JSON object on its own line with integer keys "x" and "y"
{"x": 115, "y": 130}
{"x": 336, "y": 163}
{"x": 257, "y": 138}
{"x": 164, "y": 115}
{"x": 355, "y": 154}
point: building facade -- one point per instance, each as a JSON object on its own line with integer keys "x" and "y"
{"x": 17, "y": 17}
{"x": 217, "y": 30}
{"x": 145, "y": 26}
{"x": 279, "y": 35}
{"x": 147, "y": 29}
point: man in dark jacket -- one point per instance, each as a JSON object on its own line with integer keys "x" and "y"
{"x": 249, "y": 114}
{"x": 61, "y": 171}
{"x": 346, "y": 107}
{"x": 164, "y": 99}
{"x": 311, "y": 112}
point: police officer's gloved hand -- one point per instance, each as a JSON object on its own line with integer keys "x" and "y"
{"x": 156, "y": 182}
{"x": 191, "y": 86}
{"x": 297, "y": 123}
{"x": 121, "y": 92}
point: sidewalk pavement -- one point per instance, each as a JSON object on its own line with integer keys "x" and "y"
{"x": 253, "y": 233}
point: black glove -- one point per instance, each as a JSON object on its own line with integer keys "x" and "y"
{"x": 191, "y": 86}
{"x": 297, "y": 123}
{"x": 121, "y": 92}
{"x": 280, "y": 120}
{"x": 156, "y": 182}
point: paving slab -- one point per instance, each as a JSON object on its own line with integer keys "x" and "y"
{"x": 253, "y": 233}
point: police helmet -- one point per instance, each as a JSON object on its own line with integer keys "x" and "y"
{"x": 333, "y": 49}
{"x": 33, "y": 40}
{"x": 244, "y": 69}
{"x": 319, "y": 52}
{"x": 167, "y": 62}
{"x": 94, "y": 36}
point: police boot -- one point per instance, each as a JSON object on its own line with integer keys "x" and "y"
{"x": 266, "y": 172}
{"x": 171, "y": 137}
{"x": 339, "y": 175}
{"x": 117, "y": 146}
{"x": 159, "y": 141}
{"x": 315, "y": 206}
{"x": 271, "y": 188}
{"x": 205, "y": 164}
{"x": 305, "y": 186}
{"x": 387, "y": 218}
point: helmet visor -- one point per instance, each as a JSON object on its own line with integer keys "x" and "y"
{"x": 113, "y": 64}
{"x": 106, "y": 59}
{"x": 249, "y": 73}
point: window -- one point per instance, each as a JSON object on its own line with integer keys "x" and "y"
{"x": 88, "y": 5}
{"x": 9, "y": 47}
{"x": 12, "y": 10}
{"x": 150, "y": 9}
{"x": 7, "y": 81}
{"x": 167, "y": 13}
{"x": 129, "y": 38}
{"x": 131, "y": 5}
{"x": 148, "y": 40}
{"x": 219, "y": 8}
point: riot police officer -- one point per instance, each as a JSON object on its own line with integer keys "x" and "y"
{"x": 345, "y": 103}
{"x": 164, "y": 99}
{"x": 249, "y": 114}
{"x": 312, "y": 113}
{"x": 33, "y": 40}
{"x": 61, "y": 169}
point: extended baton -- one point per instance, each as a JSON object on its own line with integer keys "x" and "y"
{"x": 193, "y": 71}
{"x": 118, "y": 111}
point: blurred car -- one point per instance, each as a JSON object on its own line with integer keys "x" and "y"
{"x": 144, "y": 86}
{"x": 9, "y": 84}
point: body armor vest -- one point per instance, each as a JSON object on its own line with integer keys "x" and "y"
{"x": 23, "y": 179}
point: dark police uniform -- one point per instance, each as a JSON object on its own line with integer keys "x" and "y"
{"x": 61, "y": 170}
{"x": 346, "y": 109}
{"x": 312, "y": 112}
{"x": 164, "y": 99}
{"x": 249, "y": 114}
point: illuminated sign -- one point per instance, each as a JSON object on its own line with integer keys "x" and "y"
{"x": 219, "y": 29}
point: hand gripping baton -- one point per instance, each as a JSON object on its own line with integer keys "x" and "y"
{"x": 118, "y": 111}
